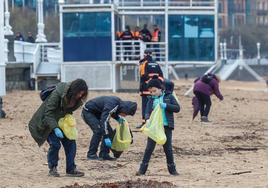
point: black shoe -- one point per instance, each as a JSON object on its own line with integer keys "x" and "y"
{"x": 142, "y": 170}
{"x": 204, "y": 119}
{"x": 53, "y": 172}
{"x": 107, "y": 157}
{"x": 75, "y": 173}
{"x": 172, "y": 170}
{"x": 93, "y": 157}
{"x": 139, "y": 173}
{"x": 175, "y": 173}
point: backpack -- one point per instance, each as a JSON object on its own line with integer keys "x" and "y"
{"x": 46, "y": 92}
{"x": 207, "y": 78}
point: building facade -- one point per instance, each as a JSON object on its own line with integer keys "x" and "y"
{"x": 233, "y": 13}
{"x": 262, "y": 12}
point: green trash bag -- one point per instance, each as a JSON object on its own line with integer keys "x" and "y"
{"x": 154, "y": 127}
{"x": 122, "y": 137}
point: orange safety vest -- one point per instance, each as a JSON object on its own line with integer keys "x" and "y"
{"x": 136, "y": 35}
{"x": 118, "y": 34}
{"x": 155, "y": 36}
{"x": 142, "y": 68}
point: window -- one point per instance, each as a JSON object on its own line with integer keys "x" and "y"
{"x": 191, "y": 38}
{"x": 91, "y": 32}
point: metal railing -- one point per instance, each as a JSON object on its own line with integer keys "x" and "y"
{"x": 149, "y": 3}
{"x": 50, "y": 52}
{"x": 129, "y": 50}
{"x": 133, "y": 50}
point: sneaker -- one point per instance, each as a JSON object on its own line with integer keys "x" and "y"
{"x": 204, "y": 119}
{"x": 75, "y": 173}
{"x": 53, "y": 172}
{"x": 93, "y": 157}
{"x": 107, "y": 157}
{"x": 174, "y": 173}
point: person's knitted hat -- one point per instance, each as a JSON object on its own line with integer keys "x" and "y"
{"x": 155, "y": 83}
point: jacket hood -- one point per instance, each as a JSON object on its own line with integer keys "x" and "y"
{"x": 169, "y": 86}
{"x": 128, "y": 107}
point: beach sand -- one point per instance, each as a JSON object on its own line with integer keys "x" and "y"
{"x": 230, "y": 151}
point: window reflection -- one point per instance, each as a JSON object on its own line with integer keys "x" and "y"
{"x": 90, "y": 31}
{"x": 191, "y": 38}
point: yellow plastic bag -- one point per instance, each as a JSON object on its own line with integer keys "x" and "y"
{"x": 67, "y": 125}
{"x": 122, "y": 137}
{"x": 154, "y": 127}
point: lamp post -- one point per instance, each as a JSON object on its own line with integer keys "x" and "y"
{"x": 258, "y": 52}
{"x": 41, "y": 37}
{"x": 221, "y": 51}
{"x": 225, "y": 52}
{"x": 7, "y": 28}
{"x": 2, "y": 59}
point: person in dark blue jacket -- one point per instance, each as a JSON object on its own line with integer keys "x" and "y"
{"x": 169, "y": 106}
{"x": 97, "y": 113}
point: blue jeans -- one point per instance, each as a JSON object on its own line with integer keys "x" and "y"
{"x": 54, "y": 148}
{"x": 94, "y": 124}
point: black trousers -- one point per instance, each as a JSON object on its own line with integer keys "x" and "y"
{"x": 94, "y": 124}
{"x": 204, "y": 103}
{"x": 144, "y": 100}
{"x": 167, "y": 148}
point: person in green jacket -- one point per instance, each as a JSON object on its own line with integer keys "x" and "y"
{"x": 66, "y": 98}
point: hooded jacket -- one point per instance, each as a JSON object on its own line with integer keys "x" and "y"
{"x": 105, "y": 107}
{"x": 46, "y": 118}
{"x": 169, "y": 99}
{"x": 148, "y": 69}
{"x": 208, "y": 88}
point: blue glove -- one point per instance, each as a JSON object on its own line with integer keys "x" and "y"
{"x": 108, "y": 142}
{"x": 120, "y": 120}
{"x": 58, "y": 133}
{"x": 163, "y": 105}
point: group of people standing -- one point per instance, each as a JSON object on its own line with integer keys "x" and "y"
{"x": 68, "y": 97}
{"x": 30, "y": 38}
{"x": 140, "y": 34}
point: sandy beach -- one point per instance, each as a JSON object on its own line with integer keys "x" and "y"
{"x": 230, "y": 151}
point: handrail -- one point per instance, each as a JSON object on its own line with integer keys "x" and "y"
{"x": 133, "y": 50}
{"x": 37, "y": 60}
{"x": 155, "y": 3}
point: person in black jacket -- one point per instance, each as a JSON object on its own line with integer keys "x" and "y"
{"x": 146, "y": 36}
{"x": 169, "y": 106}
{"x": 97, "y": 113}
{"x": 148, "y": 69}
{"x": 127, "y": 35}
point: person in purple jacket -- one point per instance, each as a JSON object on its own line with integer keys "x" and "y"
{"x": 204, "y": 87}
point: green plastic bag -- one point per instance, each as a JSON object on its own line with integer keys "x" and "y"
{"x": 154, "y": 127}
{"x": 122, "y": 137}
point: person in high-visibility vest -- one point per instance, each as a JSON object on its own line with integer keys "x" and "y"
{"x": 148, "y": 69}
{"x": 137, "y": 36}
{"x": 136, "y": 33}
{"x": 156, "y": 37}
{"x": 127, "y": 35}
